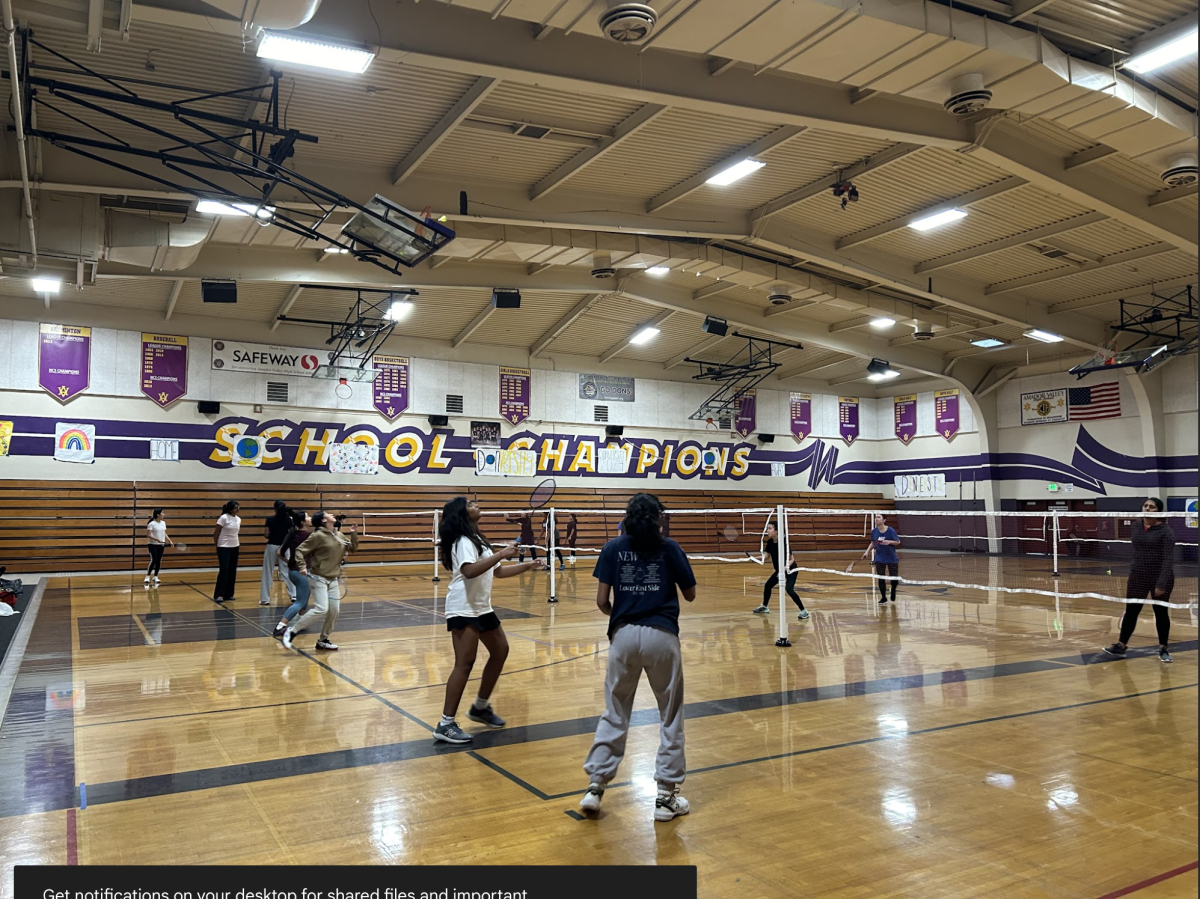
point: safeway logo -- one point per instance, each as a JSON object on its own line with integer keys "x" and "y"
{"x": 308, "y": 363}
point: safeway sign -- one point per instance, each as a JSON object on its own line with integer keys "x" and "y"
{"x": 260, "y": 358}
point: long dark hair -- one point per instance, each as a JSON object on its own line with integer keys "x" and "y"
{"x": 154, "y": 515}
{"x": 643, "y": 523}
{"x": 281, "y": 509}
{"x": 455, "y": 524}
{"x": 228, "y": 508}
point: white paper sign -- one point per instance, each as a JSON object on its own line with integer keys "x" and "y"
{"x": 778, "y": 469}
{"x": 74, "y": 443}
{"x": 612, "y": 460}
{"x": 164, "y": 450}
{"x": 248, "y": 451}
{"x": 1190, "y": 521}
{"x": 354, "y": 458}
{"x": 517, "y": 463}
{"x": 920, "y": 485}
{"x": 487, "y": 461}
{"x": 1044, "y": 407}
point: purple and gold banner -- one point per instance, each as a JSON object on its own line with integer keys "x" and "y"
{"x": 389, "y": 392}
{"x": 164, "y": 368}
{"x": 746, "y": 420}
{"x": 515, "y": 394}
{"x": 64, "y": 360}
{"x": 945, "y": 412}
{"x": 801, "y": 415}
{"x": 848, "y": 418}
{"x": 905, "y": 408}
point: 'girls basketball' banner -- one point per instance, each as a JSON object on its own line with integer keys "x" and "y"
{"x": 389, "y": 392}
{"x": 848, "y": 418}
{"x": 801, "y": 415}
{"x": 945, "y": 412}
{"x": 164, "y": 368}
{"x": 906, "y": 417}
{"x": 746, "y": 420}
{"x": 74, "y": 443}
{"x": 64, "y": 360}
{"x": 515, "y": 393}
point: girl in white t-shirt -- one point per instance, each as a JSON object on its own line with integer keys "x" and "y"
{"x": 469, "y": 617}
{"x": 225, "y": 536}
{"x": 156, "y": 542}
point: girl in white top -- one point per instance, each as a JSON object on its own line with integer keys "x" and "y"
{"x": 469, "y": 615}
{"x": 225, "y": 536}
{"x": 156, "y": 542}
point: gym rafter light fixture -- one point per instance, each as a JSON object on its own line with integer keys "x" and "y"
{"x": 312, "y": 52}
{"x": 989, "y": 343}
{"x": 880, "y": 370}
{"x": 644, "y": 335}
{"x": 945, "y": 217}
{"x": 1163, "y": 54}
{"x": 658, "y": 270}
{"x": 882, "y": 324}
{"x": 735, "y": 172}
{"x": 1043, "y": 336}
{"x": 216, "y": 207}
{"x": 399, "y": 310}
{"x": 46, "y": 285}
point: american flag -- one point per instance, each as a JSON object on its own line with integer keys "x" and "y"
{"x": 1090, "y": 403}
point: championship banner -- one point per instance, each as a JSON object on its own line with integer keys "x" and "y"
{"x": 905, "y": 408}
{"x": 515, "y": 393}
{"x": 74, "y": 443}
{"x": 64, "y": 360}
{"x": 801, "y": 415}
{"x": 746, "y": 420}
{"x": 164, "y": 368}
{"x": 1044, "y": 407}
{"x": 945, "y": 412}
{"x": 848, "y": 418}
{"x": 389, "y": 392}
{"x": 263, "y": 359}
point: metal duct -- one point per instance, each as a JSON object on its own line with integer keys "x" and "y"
{"x": 152, "y": 243}
{"x": 278, "y": 15}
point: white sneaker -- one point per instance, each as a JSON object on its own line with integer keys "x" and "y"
{"x": 156, "y": 580}
{"x": 591, "y": 799}
{"x": 669, "y": 805}
{"x": 147, "y": 580}
{"x": 287, "y": 637}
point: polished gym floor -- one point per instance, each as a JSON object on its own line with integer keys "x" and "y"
{"x": 955, "y": 743}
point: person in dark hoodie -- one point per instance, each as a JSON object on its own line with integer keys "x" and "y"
{"x": 1151, "y": 576}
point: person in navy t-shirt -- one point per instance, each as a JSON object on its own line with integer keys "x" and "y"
{"x": 640, "y": 574}
{"x": 884, "y": 541}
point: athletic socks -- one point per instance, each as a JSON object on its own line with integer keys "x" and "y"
{"x": 481, "y": 704}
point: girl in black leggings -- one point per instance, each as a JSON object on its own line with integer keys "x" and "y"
{"x": 1151, "y": 575}
{"x": 156, "y": 542}
{"x": 772, "y": 548}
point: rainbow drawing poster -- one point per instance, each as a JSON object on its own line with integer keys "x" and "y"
{"x": 74, "y": 443}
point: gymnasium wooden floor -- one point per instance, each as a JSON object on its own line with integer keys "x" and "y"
{"x": 957, "y": 743}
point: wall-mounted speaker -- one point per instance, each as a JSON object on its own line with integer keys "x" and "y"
{"x": 614, "y": 430}
{"x": 439, "y": 421}
{"x": 218, "y": 291}
{"x": 208, "y": 407}
{"x": 506, "y": 298}
{"x": 766, "y": 438}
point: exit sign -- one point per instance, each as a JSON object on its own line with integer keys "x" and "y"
{"x": 1053, "y": 488}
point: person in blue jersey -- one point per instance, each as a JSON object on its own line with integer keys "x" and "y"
{"x": 884, "y": 541}
{"x": 640, "y": 576}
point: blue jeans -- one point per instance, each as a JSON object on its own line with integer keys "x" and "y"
{"x": 300, "y": 582}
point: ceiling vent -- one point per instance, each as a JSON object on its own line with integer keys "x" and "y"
{"x": 600, "y": 414}
{"x": 779, "y": 295}
{"x": 454, "y": 403}
{"x": 277, "y": 392}
{"x": 602, "y": 266}
{"x": 1181, "y": 172}
{"x": 967, "y": 95}
{"x": 627, "y": 23}
{"x": 536, "y": 132}
{"x": 922, "y": 331}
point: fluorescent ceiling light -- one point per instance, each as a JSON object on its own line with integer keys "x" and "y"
{"x": 399, "y": 310}
{"x": 1043, "y": 336}
{"x": 658, "y": 270}
{"x": 311, "y": 52}
{"x": 645, "y": 335}
{"x": 215, "y": 207}
{"x": 938, "y": 219}
{"x": 735, "y": 172}
{"x": 341, "y": 250}
{"x": 882, "y": 323}
{"x": 988, "y": 342}
{"x": 46, "y": 285}
{"x": 1163, "y": 54}
{"x": 884, "y": 375}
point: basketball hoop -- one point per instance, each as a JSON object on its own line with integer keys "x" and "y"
{"x": 710, "y": 425}
{"x": 343, "y": 389}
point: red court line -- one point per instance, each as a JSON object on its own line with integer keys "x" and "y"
{"x": 1125, "y": 891}
{"x": 72, "y": 839}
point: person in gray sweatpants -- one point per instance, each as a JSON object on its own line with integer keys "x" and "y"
{"x": 639, "y": 572}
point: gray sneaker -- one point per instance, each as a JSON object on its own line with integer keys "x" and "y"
{"x": 803, "y": 616}
{"x": 761, "y": 609}
{"x": 451, "y": 733}
{"x": 485, "y": 716}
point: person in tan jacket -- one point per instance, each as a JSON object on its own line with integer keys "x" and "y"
{"x": 323, "y": 553}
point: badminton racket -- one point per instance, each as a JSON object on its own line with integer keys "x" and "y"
{"x": 181, "y": 547}
{"x": 731, "y": 534}
{"x": 542, "y": 494}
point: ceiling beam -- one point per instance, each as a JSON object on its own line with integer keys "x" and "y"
{"x": 679, "y": 191}
{"x": 453, "y": 117}
{"x": 796, "y": 371}
{"x": 1024, "y": 8}
{"x": 1160, "y": 287}
{"x": 703, "y": 347}
{"x": 908, "y": 339}
{"x": 1006, "y": 243}
{"x": 713, "y": 289}
{"x": 1105, "y": 262}
{"x": 771, "y": 311}
{"x": 1171, "y": 194}
{"x": 616, "y": 348}
{"x": 848, "y": 379}
{"x": 959, "y": 202}
{"x": 173, "y": 298}
{"x": 851, "y": 323}
{"x": 565, "y": 322}
{"x": 484, "y": 314}
{"x": 581, "y": 160}
{"x": 800, "y": 194}
{"x": 286, "y": 306}
{"x": 1088, "y": 156}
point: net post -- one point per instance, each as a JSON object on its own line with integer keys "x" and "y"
{"x": 550, "y": 554}
{"x": 784, "y": 554}
{"x": 1054, "y": 540}
{"x": 436, "y": 547}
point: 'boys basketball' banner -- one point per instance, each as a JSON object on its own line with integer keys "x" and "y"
{"x": 164, "y": 368}
{"x": 906, "y": 417}
{"x": 801, "y": 415}
{"x": 389, "y": 392}
{"x": 515, "y": 394}
{"x": 746, "y": 420}
{"x": 848, "y": 418}
{"x": 945, "y": 412}
{"x": 64, "y": 360}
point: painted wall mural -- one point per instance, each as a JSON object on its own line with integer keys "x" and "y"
{"x": 306, "y": 446}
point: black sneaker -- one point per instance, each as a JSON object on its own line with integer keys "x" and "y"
{"x": 485, "y": 716}
{"x": 883, "y": 602}
{"x": 279, "y": 629}
{"x": 1116, "y": 649}
{"x": 327, "y": 645}
{"x": 451, "y": 733}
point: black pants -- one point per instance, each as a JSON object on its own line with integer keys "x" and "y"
{"x": 888, "y": 568}
{"x": 227, "y": 559}
{"x": 521, "y": 552}
{"x": 1139, "y": 588}
{"x": 156, "y": 553}
{"x": 790, "y": 586}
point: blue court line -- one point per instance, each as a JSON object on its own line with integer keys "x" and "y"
{"x": 82, "y": 796}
